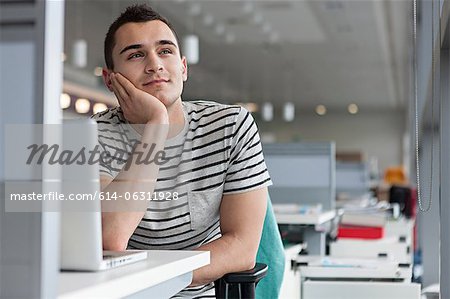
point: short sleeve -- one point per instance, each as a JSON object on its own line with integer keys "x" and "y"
{"x": 104, "y": 167}
{"x": 246, "y": 167}
{"x": 113, "y": 145}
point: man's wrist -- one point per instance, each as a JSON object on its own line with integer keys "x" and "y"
{"x": 160, "y": 118}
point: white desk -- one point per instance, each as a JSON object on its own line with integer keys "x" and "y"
{"x": 350, "y": 278}
{"x": 290, "y": 287}
{"x": 315, "y": 267}
{"x": 399, "y": 228}
{"x": 360, "y": 289}
{"x": 391, "y": 248}
{"x": 314, "y": 234}
{"x": 163, "y": 274}
{"x": 305, "y": 219}
{"x": 397, "y": 244}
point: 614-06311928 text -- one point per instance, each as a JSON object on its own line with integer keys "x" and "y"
{"x": 139, "y": 196}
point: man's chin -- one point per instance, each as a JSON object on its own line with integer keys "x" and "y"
{"x": 161, "y": 96}
{"x": 163, "y": 99}
{"x": 156, "y": 93}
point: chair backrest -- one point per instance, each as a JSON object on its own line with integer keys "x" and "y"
{"x": 271, "y": 253}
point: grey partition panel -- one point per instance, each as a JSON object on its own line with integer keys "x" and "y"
{"x": 352, "y": 178}
{"x": 445, "y": 153}
{"x": 302, "y": 173}
{"x": 28, "y": 268}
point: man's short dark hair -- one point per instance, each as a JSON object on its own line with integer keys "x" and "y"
{"x": 138, "y": 13}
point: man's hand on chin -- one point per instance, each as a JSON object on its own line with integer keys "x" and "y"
{"x": 138, "y": 106}
{"x": 120, "y": 218}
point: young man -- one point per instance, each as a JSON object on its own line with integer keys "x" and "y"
{"x": 211, "y": 190}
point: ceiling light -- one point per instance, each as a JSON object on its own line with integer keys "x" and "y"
{"x": 79, "y": 53}
{"x": 267, "y": 111}
{"x": 220, "y": 29}
{"x": 208, "y": 20}
{"x": 98, "y": 71}
{"x": 230, "y": 38}
{"x": 195, "y": 9}
{"x": 321, "y": 110}
{"x": 352, "y": 108}
{"x": 191, "y": 48}
{"x": 82, "y": 105}
{"x": 248, "y": 7}
{"x": 288, "y": 112}
{"x": 99, "y": 107}
{"x": 257, "y": 18}
{"x": 64, "y": 101}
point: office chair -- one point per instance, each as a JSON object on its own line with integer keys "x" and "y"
{"x": 270, "y": 263}
{"x": 240, "y": 284}
{"x": 404, "y": 197}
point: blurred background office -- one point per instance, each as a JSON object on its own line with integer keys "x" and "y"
{"x": 309, "y": 71}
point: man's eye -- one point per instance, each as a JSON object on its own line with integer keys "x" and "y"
{"x": 135, "y": 55}
{"x": 166, "y": 51}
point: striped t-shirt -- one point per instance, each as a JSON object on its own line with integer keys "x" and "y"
{"x": 217, "y": 152}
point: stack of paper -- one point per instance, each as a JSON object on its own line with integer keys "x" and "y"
{"x": 364, "y": 219}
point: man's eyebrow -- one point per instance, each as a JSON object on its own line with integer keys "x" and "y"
{"x": 166, "y": 42}
{"x": 136, "y": 46}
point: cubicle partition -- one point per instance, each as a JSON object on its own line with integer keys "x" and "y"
{"x": 31, "y": 43}
{"x": 302, "y": 173}
{"x": 352, "y": 178}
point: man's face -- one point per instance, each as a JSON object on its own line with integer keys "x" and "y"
{"x": 148, "y": 55}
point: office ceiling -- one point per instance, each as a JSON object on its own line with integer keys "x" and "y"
{"x": 307, "y": 52}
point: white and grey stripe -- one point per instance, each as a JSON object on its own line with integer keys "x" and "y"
{"x": 218, "y": 152}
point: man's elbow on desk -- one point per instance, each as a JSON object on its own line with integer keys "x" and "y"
{"x": 117, "y": 229}
{"x": 227, "y": 254}
{"x": 114, "y": 244}
{"x": 244, "y": 255}
{"x": 236, "y": 249}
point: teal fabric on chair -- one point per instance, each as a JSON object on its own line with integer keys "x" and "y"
{"x": 271, "y": 253}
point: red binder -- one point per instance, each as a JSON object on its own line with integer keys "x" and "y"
{"x": 360, "y": 232}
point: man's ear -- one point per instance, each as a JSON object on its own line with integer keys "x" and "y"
{"x": 184, "y": 69}
{"x": 107, "y": 79}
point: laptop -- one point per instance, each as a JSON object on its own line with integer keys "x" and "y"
{"x": 81, "y": 227}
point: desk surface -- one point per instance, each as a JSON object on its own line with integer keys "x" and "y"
{"x": 160, "y": 266}
{"x": 351, "y": 268}
{"x": 305, "y": 219}
{"x": 359, "y": 289}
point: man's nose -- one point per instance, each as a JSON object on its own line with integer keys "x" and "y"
{"x": 153, "y": 64}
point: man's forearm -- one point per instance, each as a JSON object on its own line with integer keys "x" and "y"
{"x": 241, "y": 233}
{"x": 227, "y": 254}
{"x": 120, "y": 218}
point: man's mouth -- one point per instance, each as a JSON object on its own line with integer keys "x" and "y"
{"x": 156, "y": 82}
